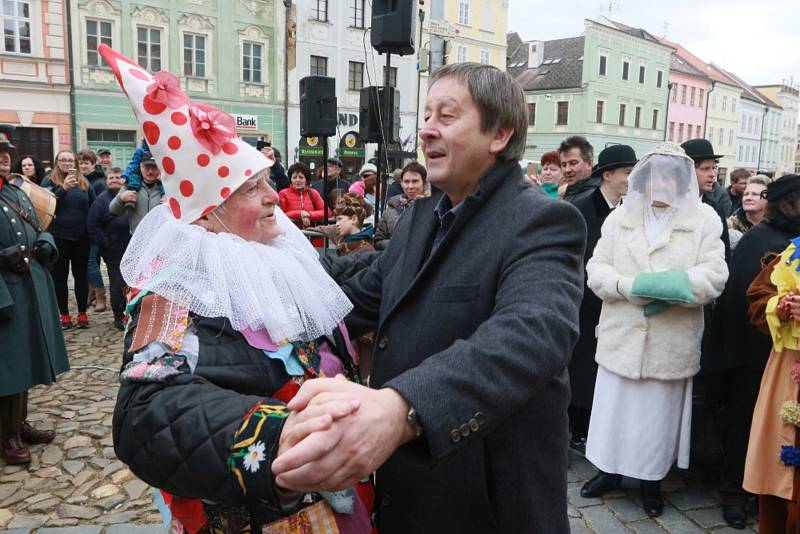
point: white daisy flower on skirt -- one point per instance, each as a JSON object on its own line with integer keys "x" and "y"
{"x": 254, "y": 456}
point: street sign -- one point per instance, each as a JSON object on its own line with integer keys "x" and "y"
{"x": 442, "y": 28}
{"x": 246, "y": 122}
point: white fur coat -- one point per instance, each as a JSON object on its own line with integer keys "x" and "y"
{"x": 665, "y": 346}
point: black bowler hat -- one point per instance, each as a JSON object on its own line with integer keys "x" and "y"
{"x": 699, "y": 149}
{"x": 614, "y": 157}
{"x": 782, "y": 187}
{"x": 5, "y": 131}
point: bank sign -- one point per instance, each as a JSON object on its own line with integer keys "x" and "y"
{"x": 246, "y": 122}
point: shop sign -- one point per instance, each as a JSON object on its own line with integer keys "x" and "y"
{"x": 246, "y": 122}
{"x": 351, "y": 152}
{"x": 310, "y": 151}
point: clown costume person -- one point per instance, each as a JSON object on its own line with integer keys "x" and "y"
{"x": 220, "y": 336}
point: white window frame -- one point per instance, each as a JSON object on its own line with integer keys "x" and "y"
{"x": 485, "y": 56}
{"x": 349, "y": 88}
{"x": 710, "y": 133}
{"x": 555, "y": 115}
{"x": 654, "y": 118}
{"x": 356, "y": 7}
{"x": 252, "y": 70}
{"x": 464, "y": 12}
{"x": 206, "y": 53}
{"x": 641, "y": 76}
{"x": 637, "y": 116}
{"x": 18, "y": 20}
{"x": 721, "y": 137}
{"x": 315, "y": 10}
{"x": 659, "y": 78}
{"x": 622, "y": 114}
{"x": 623, "y": 76}
{"x": 730, "y": 137}
{"x": 600, "y": 57}
{"x": 461, "y": 53}
{"x": 602, "y": 112}
{"x": 310, "y": 69}
{"x": 149, "y": 60}
{"x": 101, "y": 64}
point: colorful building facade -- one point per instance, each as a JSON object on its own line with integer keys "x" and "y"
{"x": 34, "y": 77}
{"x": 226, "y": 53}
{"x": 788, "y": 96}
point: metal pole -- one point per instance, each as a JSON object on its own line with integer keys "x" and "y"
{"x": 71, "y": 63}
{"x": 670, "y": 85}
{"x": 288, "y": 5}
{"x": 761, "y": 139}
{"x": 387, "y": 120}
{"x": 325, "y": 186}
{"x": 419, "y": 81}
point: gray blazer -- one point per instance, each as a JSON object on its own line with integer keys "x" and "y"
{"x": 477, "y": 336}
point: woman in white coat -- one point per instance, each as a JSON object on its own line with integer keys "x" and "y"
{"x": 658, "y": 261}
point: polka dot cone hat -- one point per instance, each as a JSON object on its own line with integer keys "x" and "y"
{"x": 202, "y": 160}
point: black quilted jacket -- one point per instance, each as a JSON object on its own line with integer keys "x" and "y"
{"x": 176, "y": 435}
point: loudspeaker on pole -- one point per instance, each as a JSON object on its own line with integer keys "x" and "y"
{"x": 318, "y": 115}
{"x": 372, "y": 111}
{"x": 393, "y": 23}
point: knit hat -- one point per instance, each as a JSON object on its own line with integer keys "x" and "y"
{"x": 195, "y": 145}
{"x": 368, "y": 167}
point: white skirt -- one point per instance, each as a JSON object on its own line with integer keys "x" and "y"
{"x": 639, "y": 428}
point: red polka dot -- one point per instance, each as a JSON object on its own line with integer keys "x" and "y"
{"x": 151, "y": 132}
{"x": 203, "y": 160}
{"x": 175, "y": 207}
{"x": 223, "y": 171}
{"x": 230, "y": 148}
{"x": 174, "y": 142}
{"x": 153, "y": 107}
{"x": 208, "y": 210}
{"x": 136, "y": 73}
{"x": 168, "y": 165}
{"x": 178, "y": 118}
{"x": 187, "y": 188}
{"x": 225, "y": 192}
{"x": 248, "y": 172}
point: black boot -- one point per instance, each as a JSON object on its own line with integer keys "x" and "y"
{"x": 600, "y": 483}
{"x": 652, "y": 502}
{"x": 734, "y": 515}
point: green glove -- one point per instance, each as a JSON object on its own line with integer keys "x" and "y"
{"x": 656, "y": 307}
{"x": 673, "y": 286}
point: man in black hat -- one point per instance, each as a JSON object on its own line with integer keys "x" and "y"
{"x": 337, "y": 184}
{"x": 705, "y": 166}
{"x": 614, "y": 165}
{"x": 742, "y": 350}
{"x": 33, "y": 345}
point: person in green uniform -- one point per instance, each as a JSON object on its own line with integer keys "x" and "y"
{"x": 30, "y": 334}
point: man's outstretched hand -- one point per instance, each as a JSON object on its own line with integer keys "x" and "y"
{"x": 337, "y": 454}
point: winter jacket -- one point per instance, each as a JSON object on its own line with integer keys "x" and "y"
{"x": 664, "y": 346}
{"x": 97, "y": 179}
{"x": 395, "y": 207}
{"x": 294, "y": 201}
{"x": 110, "y": 231}
{"x": 149, "y": 196}
{"x": 72, "y": 207}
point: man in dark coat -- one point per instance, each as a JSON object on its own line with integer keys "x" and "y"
{"x": 742, "y": 352}
{"x": 614, "y": 164}
{"x": 33, "y": 349}
{"x": 475, "y": 313}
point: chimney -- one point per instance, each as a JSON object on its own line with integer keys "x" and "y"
{"x": 535, "y": 53}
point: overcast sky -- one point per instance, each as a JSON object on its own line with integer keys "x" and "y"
{"x": 758, "y": 40}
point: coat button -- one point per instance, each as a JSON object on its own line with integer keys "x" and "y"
{"x": 19, "y": 233}
{"x": 643, "y": 327}
{"x": 383, "y": 342}
{"x": 479, "y": 418}
{"x": 464, "y": 430}
{"x": 455, "y": 436}
{"x": 386, "y": 500}
{"x": 13, "y": 220}
{"x": 5, "y": 208}
{"x": 473, "y": 425}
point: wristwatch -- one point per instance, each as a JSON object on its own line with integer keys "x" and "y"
{"x": 413, "y": 420}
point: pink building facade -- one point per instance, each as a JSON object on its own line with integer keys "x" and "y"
{"x": 688, "y": 100}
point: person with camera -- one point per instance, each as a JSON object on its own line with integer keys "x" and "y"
{"x": 33, "y": 345}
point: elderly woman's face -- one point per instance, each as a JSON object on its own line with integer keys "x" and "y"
{"x": 250, "y": 211}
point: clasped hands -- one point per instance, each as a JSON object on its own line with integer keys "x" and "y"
{"x": 789, "y": 306}
{"x": 338, "y": 432}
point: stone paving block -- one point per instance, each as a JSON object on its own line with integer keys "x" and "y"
{"x": 136, "y": 529}
{"x": 81, "y": 529}
{"x": 676, "y": 523}
{"x": 576, "y": 526}
{"x": 575, "y": 499}
{"x": 601, "y": 520}
{"x": 16, "y": 531}
{"x": 692, "y": 499}
{"x": 626, "y": 509}
{"x": 582, "y": 467}
{"x": 645, "y": 526}
{"x": 707, "y": 517}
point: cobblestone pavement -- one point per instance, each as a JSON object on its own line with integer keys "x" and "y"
{"x": 77, "y": 486}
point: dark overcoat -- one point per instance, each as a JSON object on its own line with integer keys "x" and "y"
{"x": 33, "y": 350}
{"x": 582, "y": 367}
{"x": 476, "y": 334}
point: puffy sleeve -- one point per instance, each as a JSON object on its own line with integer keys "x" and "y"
{"x": 710, "y": 272}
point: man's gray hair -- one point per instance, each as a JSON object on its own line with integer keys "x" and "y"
{"x": 499, "y": 98}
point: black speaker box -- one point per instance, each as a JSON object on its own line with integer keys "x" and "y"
{"x": 372, "y": 111}
{"x": 393, "y": 23}
{"x": 318, "y": 106}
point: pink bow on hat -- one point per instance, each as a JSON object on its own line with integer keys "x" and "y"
{"x": 195, "y": 145}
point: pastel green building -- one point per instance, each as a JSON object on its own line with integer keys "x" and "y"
{"x": 227, "y": 53}
{"x": 610, "y": 84}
